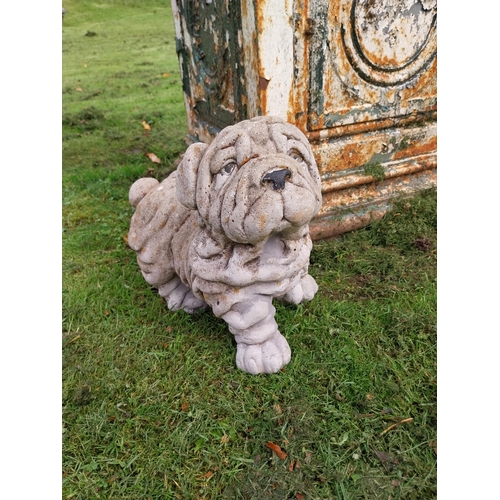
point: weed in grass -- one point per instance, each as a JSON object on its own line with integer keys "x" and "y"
{"x": 375, "y": 170}
{"x": 86, "y": 119}
{"x": 153, "y": 406}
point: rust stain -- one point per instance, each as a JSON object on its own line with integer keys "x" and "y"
{"x": 391, "y": 170}
{"x": 417, "y": 148}
{"x": 350, "y": 155}
{"x": 356, "y": 128}
{"x": 262, "y": 221}
{"x": 263, "y": 83}
{"x": 244, "y": 10}
{"x": 298, "y": 99}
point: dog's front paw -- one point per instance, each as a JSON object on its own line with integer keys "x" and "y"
{"x": 305, "y": 290}
{"x": 268, "y": 357}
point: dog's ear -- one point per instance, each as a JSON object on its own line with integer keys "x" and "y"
{"x": 187, "y": 173}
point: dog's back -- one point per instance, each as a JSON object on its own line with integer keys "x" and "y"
{"x": 161, "y": 230}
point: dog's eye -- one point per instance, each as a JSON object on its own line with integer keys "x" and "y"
{"x": 297, "y": 156}
{"x": 228, "y": 169}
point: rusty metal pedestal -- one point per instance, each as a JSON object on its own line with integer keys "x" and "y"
{"x": 357, "y": 77}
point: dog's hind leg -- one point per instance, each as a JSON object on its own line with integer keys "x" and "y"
{"x": 260, "y": 346}
{"x": 179, "y": 296}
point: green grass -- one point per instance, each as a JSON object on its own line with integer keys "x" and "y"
{"x": 153, "y": 406}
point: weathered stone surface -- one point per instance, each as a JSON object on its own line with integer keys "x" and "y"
{"x": 229, "y": 229}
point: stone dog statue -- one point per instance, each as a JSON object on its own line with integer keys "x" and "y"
{"x": 229, "y": 229}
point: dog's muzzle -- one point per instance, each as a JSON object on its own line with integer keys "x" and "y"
{"x": 277, "y": 177}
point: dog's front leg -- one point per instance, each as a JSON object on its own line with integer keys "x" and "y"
{"x": 304, "y": 290}
{"x": 260, "y": 346}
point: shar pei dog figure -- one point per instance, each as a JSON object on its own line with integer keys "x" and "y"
{"x": 229, "y": 229}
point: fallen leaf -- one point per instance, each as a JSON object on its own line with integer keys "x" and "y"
{"x": 125, "y": 238}
{"x": 185, "y": 406}
{"x": 224, "y": 439}
{"x": 153, "y": 158}
{"x": 208, "y": 475}
{"x": 299, "y": 496}
{"x": 369, "y": 397}
{"x": 395, "y": 482}
{"x": 169, "y": 329}
{"x": 297, "y": 464}
{"x": 308, "y": 456}
{"x": 79, "y": 89}
{"x": 277, "y": 409}
{"x": 106, "y": 313}
{"x": 281, "y": 454}
{"x": 167, "y": 74}
{"x": 290, "y": 467}
{"x": 146, "y": 125}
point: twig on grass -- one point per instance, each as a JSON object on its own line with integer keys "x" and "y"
{"x": 394, "y": 425}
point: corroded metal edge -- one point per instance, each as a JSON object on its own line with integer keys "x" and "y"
{"x": 355, "y": 207}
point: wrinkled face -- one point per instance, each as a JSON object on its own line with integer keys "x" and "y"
{"x": 258, "y": 178}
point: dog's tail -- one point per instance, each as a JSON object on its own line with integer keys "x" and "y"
{"x": 141, "y": 188}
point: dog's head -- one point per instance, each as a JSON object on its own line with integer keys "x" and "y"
{"x": 257, "y": 178}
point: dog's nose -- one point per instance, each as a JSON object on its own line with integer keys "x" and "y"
{"x": 277, "y": 177}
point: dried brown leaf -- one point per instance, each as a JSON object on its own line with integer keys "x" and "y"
{"x": 281, "y": 454}
{"x": 153, "y": 158}
{"x": 146, "y": 125}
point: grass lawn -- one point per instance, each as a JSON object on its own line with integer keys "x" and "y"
{"x": 153, "y": 405}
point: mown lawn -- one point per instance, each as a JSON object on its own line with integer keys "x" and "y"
{"x": 153, "y": 405}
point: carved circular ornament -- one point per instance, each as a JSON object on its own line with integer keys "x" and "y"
{"x": 388, "y": 42}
